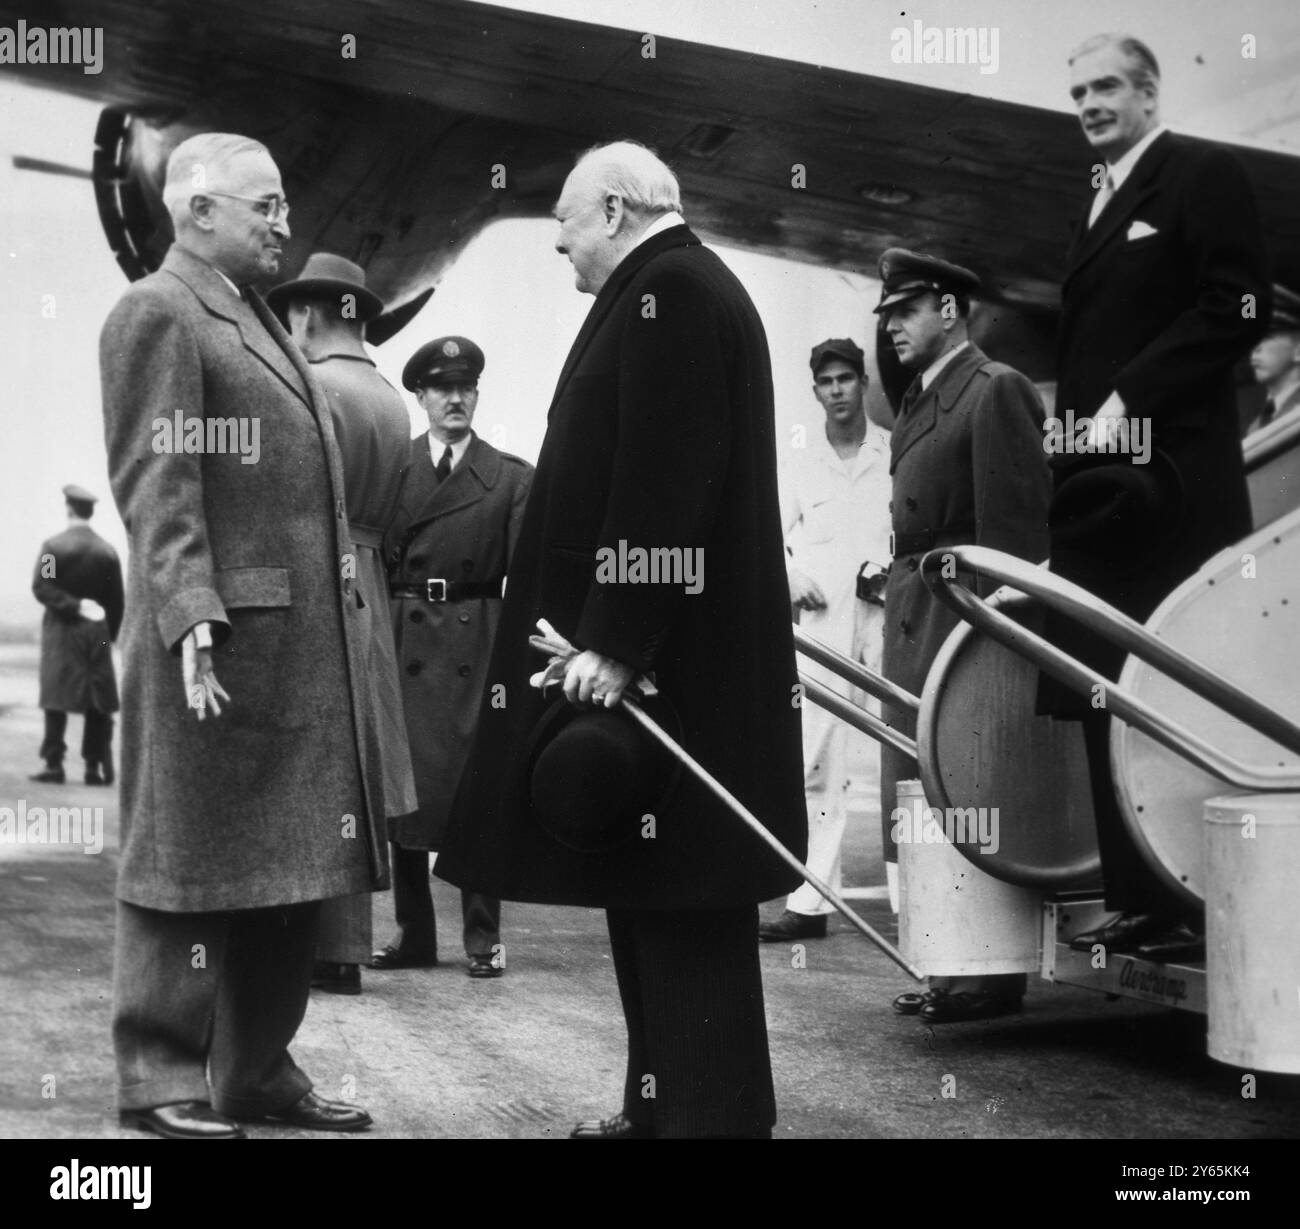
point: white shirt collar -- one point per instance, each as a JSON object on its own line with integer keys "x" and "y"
{"x": 437, "y": 448}
{"x": 1122, "y": 169}
{"x": 659, "y": 225}
{"x": 932, "y": 371}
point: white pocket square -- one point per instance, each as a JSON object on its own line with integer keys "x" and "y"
{"x": 1140, "y": 230}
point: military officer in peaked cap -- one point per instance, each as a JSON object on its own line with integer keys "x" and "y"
{"x": 448, "y": 552}
{"x": 969, "y": 466}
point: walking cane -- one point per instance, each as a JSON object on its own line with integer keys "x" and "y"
{"x": 561, "y": 651}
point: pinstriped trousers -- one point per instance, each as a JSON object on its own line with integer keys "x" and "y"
{"x": 692, "y": 991}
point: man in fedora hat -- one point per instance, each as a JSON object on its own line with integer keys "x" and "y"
{"x": 1165, "y": 291}
{"x": 326, "y": 308}
{"x": 449, "y": 549}
{"x": 660, "y": 439}
{"x": 1275, "y": 361}
{"x": 79, "y": 582}
{"x": 969, "y": 467}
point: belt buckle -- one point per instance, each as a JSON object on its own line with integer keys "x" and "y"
{"x": 429, "y": 591}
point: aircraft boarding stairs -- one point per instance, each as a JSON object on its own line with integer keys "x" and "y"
{"x": 1205, "y": 752}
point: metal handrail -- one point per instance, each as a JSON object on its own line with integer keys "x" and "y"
{"x": 855, "y": 672}
{"x": 1118, "y": 629}
{"x": 858, "y": 718}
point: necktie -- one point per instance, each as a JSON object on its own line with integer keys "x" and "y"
{"x": 1270, "y": 412}
{"x": 1102, "y": 198}
{"x": 444, "y": 465}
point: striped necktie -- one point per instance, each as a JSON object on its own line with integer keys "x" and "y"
{"x": 444, "y": 465}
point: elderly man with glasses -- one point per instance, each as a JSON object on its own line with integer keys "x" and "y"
{"x": 249, "y": 782}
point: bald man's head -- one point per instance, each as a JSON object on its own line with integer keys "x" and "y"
{"x": 611, "y": 196}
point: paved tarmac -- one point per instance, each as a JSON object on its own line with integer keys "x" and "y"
{"x": 433, "y": 1054}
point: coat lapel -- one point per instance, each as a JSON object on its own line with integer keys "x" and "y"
{"x": 259, "y": 330}
{"x": 424, "y": 498}
{"x": 922, "y": 416}
{"x": 1138, "y": 188}
{"x": 677, "y": 236}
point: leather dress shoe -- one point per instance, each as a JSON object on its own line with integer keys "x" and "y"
{"x": 93, "y": 777}
{"x": 910, "y": 1004}
{"x": 1179, "y": 943}
{"x": 182, "y": 1120}
{"x": 335, "y": 978}
{"x": 617, "y": 1127}
{"x": 966, "y": 1005}
{"x": 1121, "y": 933}
{"x": 482, "y": 966}
{"x": 314, "y": 1113}
{"x": 391, "y": 957}
{"x": 53, "y": 775}
{"x": 793, "y": 926}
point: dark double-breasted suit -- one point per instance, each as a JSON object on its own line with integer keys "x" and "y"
{"x": 660, "y": 435}
{"x": 462, "y": 530}
{"x": 1163, "y": 294}
{"x": 231, "y": 825}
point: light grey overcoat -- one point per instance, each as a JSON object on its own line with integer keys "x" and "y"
{"x": 267, "y": 804}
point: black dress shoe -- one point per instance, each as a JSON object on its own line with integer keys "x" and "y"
{"x": 910, "y": 1004}
{"x": 391, "y": 957}
{"x": 93, "y": 777}
{"x": 183, "y": 1120}
{"x": 314, "y": 1113}
{"x": 1122, "y": 933}
{"x": 482, "y": 966}
{"x": 1179, "y": 943}
{"x": 968, "y": 1005}
{"x": 793, "y": 926}
{"x": 51, "y": 776}
{"x": 336, "y": 978}
{"x": 617, "y": 1127}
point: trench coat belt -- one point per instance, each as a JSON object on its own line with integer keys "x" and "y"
{"x": 364, "y": 535}
{"x": 921, "y": 540}
{"x": 437, "y": 589}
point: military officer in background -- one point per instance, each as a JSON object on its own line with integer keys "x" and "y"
{"x": 326, "y": 309}
{"x": 969, "y": 466}
{"x": 449, "y": 550}
{"x": 78, "y": 580}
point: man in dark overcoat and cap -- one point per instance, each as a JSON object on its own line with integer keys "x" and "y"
{"x": 652, "y": 541}
{"x": 449, "y": 549}
{"x": 326, "y": 308}
{"x": 969, "y": 466}
{"x": 78, "y": 580}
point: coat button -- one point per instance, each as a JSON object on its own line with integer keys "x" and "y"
{"x": 905, "y": 626}
{"x": 912, "y": 563}
{"x": 911, "y": 504}
{"x": 340, "y": 508}
{"x": 467, "y": 565}
{"x": 464, "y": 671}
{"x": 417, "y": 616}
{"x": 464, "y": 616}
{"x": 414, "y": 667}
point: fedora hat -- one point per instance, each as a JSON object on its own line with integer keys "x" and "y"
{"x": 594, "y": 774}
{"x": 326, "y": 276}
{"x": 1120, "y": 515}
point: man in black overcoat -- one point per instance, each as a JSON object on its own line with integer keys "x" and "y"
{"x": 661, "y": 437}
{"x": 1166, "y": 288}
